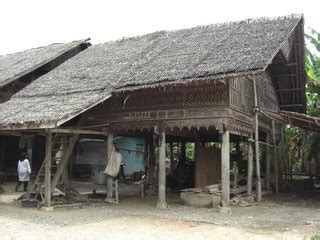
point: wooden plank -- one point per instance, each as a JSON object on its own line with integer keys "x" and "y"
{"x": 162, "y": 170}
{"x": 47, "y": 199}
{"x": 225, "y": 168}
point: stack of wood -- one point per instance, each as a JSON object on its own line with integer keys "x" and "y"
{"x": 213, "y": 189}
{"x": 66, "y": 194}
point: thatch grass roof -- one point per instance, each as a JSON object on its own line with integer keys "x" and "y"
{"x": 15, "y": 65}
{"x": 159, "y": 58}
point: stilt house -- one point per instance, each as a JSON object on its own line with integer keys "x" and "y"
{"x": 217, "y": 83}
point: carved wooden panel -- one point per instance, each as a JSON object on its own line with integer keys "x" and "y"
{"x": 170, "y": 99}
{"x": 241, "y": 96}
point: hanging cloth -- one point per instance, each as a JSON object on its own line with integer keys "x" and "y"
{"x": 113, "y": 165}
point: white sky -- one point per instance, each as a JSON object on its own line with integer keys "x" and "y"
{"x": 33, "y": 23}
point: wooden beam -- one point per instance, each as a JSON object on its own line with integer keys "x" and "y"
{"x": 20, "y": 84}
{"x": 290, "y": 105}
{"x": 36, "y": 66}
{"x": 64, "y": 162}
{"x": 162, "y": 170}
{"x": 47, "y": 199}
{"x": 6, "y": 94}
{"x": 290, "y": 89}
{"x": 77, "y": 131}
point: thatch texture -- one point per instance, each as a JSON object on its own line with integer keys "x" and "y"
{"x": 15, "y": 65}
{"x": 154, "y": 59}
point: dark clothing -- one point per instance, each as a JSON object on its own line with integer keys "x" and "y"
{"x": 25, "y": 186}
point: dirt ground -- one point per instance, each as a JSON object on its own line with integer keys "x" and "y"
{"x": 286, "y": 216}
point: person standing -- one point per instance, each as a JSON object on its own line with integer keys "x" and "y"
{"x": 24, "y": 171}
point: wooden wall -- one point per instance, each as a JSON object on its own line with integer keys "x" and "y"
{"x": 208, "y": 166}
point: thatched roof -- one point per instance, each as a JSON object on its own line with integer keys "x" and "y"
{"x": 160, "y": 58}
{"x": 15, "y": 65}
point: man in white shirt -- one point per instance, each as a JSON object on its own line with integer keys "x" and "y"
{"x": 24, "y": 171}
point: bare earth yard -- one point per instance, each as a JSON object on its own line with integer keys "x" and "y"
{"x": 277, "y": 217}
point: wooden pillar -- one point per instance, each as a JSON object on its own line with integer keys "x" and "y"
{"x": 65, "y": 173}
{"x": 109, "y": 179}
{"x": 183, "y": 150}
{"x": 275, "y": 156}
{"x": 225, "y": 171}
{"x": 29, "y": 149}
{"x": 250, "y": 166}
{"x": 256, "y": 136}
{"x": 162, "y": 170}
{"x": 268, "y": 161}
{"x": 47, "y": 199}
{"x": 152, "y": 165}
{"x": 2, "y": 148}
{"x": 171, "y": 157}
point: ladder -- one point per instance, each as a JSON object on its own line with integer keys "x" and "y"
{"x": 61, "y": 148}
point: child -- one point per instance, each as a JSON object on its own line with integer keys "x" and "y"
{"x": 24, "y": 171}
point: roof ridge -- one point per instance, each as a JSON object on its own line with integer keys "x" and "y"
{"x": 211, "y": 25}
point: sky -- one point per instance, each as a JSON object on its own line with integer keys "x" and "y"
{"x": 33, "y": 23}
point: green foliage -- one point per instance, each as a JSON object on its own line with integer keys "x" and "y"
{"x": 300, "y": 155}
{"x": 316, "y": 236}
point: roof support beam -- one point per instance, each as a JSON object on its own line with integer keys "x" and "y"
{"x": 76, "y": 131}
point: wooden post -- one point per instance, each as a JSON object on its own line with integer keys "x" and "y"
{"x": 152, "y": 165}
{"x": 162, "y": 170}
{"x": 268, "y": 160}
{"x": 256, "y": 136}
{"x": 171, "y": 157}
{"x": 65, "y": 173}
{"x": 29, "y": 149}
{"x": 109, "y": 179}
{"x": 275, "y": 156}
{"x": 47, "y": 199}
{"x": 2, "y": 148}
{"x": 225, "y": 172}
{"x": 183, "y": 150}
{"x": 250, "y": 166}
